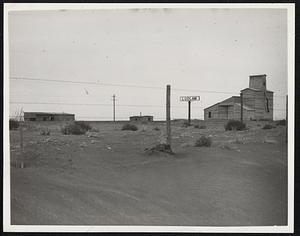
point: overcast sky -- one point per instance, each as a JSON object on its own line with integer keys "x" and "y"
{"x": 193, "y": 49}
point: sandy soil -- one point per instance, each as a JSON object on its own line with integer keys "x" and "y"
{"x": 105, "y": 178}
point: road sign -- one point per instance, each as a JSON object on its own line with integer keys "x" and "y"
{"x": 189, "y": 98}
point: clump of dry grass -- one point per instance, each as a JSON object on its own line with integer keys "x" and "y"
{"x": 235, "y": 125}
{"x": 130, "y": 127}
{"x": 45, "y": 131}
{"x": 281, "y": 122}
{"x": 203, "y": 141}
{"x": 268, "y": 126}
{"x": 76, "y": 127}
{"x": 13, "y": 124}
{"x": 159, "y": 148}
{"x": 200, "y": 126}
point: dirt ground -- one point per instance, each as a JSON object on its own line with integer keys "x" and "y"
{"x": 105, "y": 177}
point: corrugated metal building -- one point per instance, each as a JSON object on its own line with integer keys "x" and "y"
{"x": 46, "y": 116}
{"x": 141, "y": 118}
{"x": 257, "y": 103}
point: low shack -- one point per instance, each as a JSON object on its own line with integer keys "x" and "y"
{"x": 48, "y": 116}
{"x": 141, "y": 118}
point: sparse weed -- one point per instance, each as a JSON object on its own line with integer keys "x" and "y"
{"x": 45, "y": 131}
{"x": 281, "y": 122}
{"x": 200, "y": 126}
{"x": 203, "y": 141}
{"x": 13, "y": 124}
{"x": 235, "y": 125}
{"x": 94, "y": 130}
{"x": 83, "y": 125}
{"x": 129, "y": 127}
{"x": 268, "y": 126}
{"x": 186, "y": 124}
{"x": 76, "y": 127}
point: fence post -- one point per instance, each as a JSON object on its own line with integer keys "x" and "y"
{"x": 21, "y": 136}
{"x": 241, "y": 95}
{"x": 168, "y": 116}
{"x": 189, "y": 112}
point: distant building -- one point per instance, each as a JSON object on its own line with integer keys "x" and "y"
{"x": 45, "y": 116}
{"x": 141, "y": 118}
{"x": 257, "y": 103}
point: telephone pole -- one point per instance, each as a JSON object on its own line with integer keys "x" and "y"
{"x": 114, "y": 107}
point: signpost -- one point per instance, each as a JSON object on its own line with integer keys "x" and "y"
{"x": 189, "y": 99}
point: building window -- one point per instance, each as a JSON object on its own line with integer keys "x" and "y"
{"x": 209, "y": 114}
{"x": 32, "y": 119}
{"x": 149, "y": 119}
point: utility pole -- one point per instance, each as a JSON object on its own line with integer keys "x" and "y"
{"x": 168, "y": 116}
{"x": 114, "y": 107}
{"x": 286, "y": 118}
{"x": 189, "y": 112}
{"x": 241, "y": 95}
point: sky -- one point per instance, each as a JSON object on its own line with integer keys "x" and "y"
{"x": 200, "y": 52}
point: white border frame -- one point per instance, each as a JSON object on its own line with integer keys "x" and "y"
{"x": 7, "y": 227}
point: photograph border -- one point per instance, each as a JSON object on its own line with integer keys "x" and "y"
{"x": 7, "y": 227}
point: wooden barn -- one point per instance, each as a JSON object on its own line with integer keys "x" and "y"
{"x": 45, "y": 116}
{"x": 141, "y": 118}
{"x": 257, "y": 103}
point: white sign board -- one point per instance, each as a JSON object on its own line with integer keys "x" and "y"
{"x": 189, "y": 98}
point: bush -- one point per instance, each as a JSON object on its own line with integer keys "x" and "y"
{"x": 281, "y": 122}
{"x": 13, "y": 124}
{"x": 156, "y": 128}
{"x": 268, "y": 126}
{"x": 45, "y": 131}
{"x": 200, "y": 126}
{"x": 203, "y": 141}
{"x": 235, "y": 125}
{"x": 264, "y": 119}
{"x": 186, "y": 124}
{"x": 83, "y": 125}
{"x": 159, "y": 148}
{"x": 129, "y": 127}
{"x": 76, "y": 127}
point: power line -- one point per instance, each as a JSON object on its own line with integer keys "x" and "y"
{"x": 121, "y": 85}
{"x": 102, "y": 104}
{"x": 91, "y": 104}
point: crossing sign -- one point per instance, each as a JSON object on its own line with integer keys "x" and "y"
{"x": 189, "y": 98}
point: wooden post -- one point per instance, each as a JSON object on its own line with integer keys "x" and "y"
{"x": 286, "y": 119}
{"x": 21, "y": 136}
{"x": 189, "y": 112}
{"x": 168, "y": 116}
{"x": 114, "y": 108}
{"x": 241, "y": 94}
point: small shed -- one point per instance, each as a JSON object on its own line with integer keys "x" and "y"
{"x": 48, "y": 116}
{"x": 141, "y": 118}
